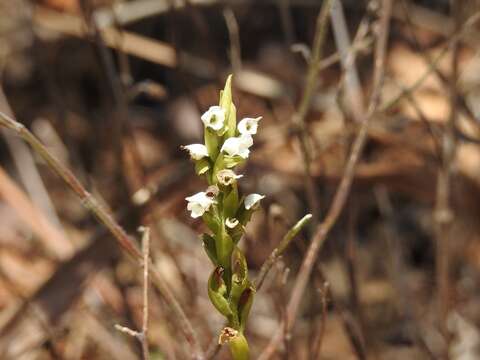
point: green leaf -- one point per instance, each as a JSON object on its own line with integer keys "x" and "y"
{"x": 226, "y": 96}
{"x": 224, "y": 246}
{"x": 216, "y": 292}
{"x": 202, "y": 166}
{"x": 231, "y": 122}
{"x": 212, "y": 142}
{"x": 239, "y": 276}
{"x": 230, "y": 202}
{"x": 237, "y": 233}
{"x": 209, "y": 246}
{"x": 245, "y": 305}
{"x": 243, "y": 215}
{"x": 211, "y": 220}
{"x": 232, "y": 161}
{"x": 218, "y": 166}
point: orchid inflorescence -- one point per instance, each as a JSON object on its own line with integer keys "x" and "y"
{"x": 226, "y": 213}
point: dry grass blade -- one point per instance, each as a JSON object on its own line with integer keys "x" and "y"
{"x": 53, "y": 240}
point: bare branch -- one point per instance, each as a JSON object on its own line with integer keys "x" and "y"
{"x": 106, "y": 218}
{"x": 341, "y": 193}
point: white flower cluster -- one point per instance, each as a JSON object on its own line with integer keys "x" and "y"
{"x": 236, "y": 146}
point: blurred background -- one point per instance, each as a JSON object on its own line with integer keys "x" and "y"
{"x": 114, "y": 88}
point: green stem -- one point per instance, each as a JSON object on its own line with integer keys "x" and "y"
{"x": 289, "y": 236}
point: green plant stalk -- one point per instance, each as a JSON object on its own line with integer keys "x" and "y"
{"x": 229, "y": 288}
{"x": 278, "y": 251}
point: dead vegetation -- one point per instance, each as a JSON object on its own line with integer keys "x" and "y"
{"x": 370, "y": 121}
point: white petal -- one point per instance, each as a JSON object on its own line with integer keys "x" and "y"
{"x": 246, "y": 141}
{"x": 231, "y": 223}
{"x": 248, "y": 126}
{"x": 197, "y": 211}
{"x": 252, "y": 199}
{"x": 238, "y": 146}
{"x": 214, "y": 118}
{"x": 198, "y": 204}
{"x": 196, "y": 151}
{"x": 243, "y": 153}
{"x": 231, "y": 146}
{"x": 196, "y": 197}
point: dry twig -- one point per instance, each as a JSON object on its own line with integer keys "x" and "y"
{"x": 142, "y": 336}
{"x": 123, "y": 239}
{"x": 301, "y": 113}
{"x": 443, "y": 214}
{"x": 342, "y": 190}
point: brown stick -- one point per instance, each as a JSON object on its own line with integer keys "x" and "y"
{"x": 443, "y": 214}
{"x": 51, "y": 238}
{"x": 342, "y": 190}
{"x": 146, "y": 262}
{"x": 299, "y": 117}
{"x": 103, "y": 216}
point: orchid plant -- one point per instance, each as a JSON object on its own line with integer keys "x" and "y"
{"x": 226, "y": 213}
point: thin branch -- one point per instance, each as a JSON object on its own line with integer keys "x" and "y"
{"x": 342, "y": 190}
{"x": 234, "y": 35}
{"x": 347, "y": 58}
{"x": 142, "y": 336}
{"x": 299, "y": 117}
{"x": 318, "y": 339}
{"x": 106, "y": 218}
{"x": 278, "y": 251}
{"x": 146, "y": 262}
{"x": 443, "y": 213}
{"x": 471, "y": 21}
{"x": 127, "y": 331}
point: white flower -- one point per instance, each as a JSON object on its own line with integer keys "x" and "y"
{"x": 252, "y": 200}
{"x": 238, "y": 146}
{"x": 227, "y": 177}
{"x": 214, "y": 118}
{"x": 199, "y": 203}
{"x": 196, "y": 151}
{"x": 231, "y": 223}
{"x": 248, "y": 126}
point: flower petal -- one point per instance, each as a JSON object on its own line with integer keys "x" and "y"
{"x": 214, "y": 118}
{"x": 198, "y": 204}
{"x": 231, "y": 223}
{"x": 196, "y": 151}
{"x": 252, "y": 200}
{"x": 248, "y": 126}
{"x": 238, "y": 146}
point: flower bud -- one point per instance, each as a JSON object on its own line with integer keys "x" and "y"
{"x": 236, "y": 341}
{"x": 216, "y": 292}
{"x": 212, "y": 191}
{"x": 227, "y": 177}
